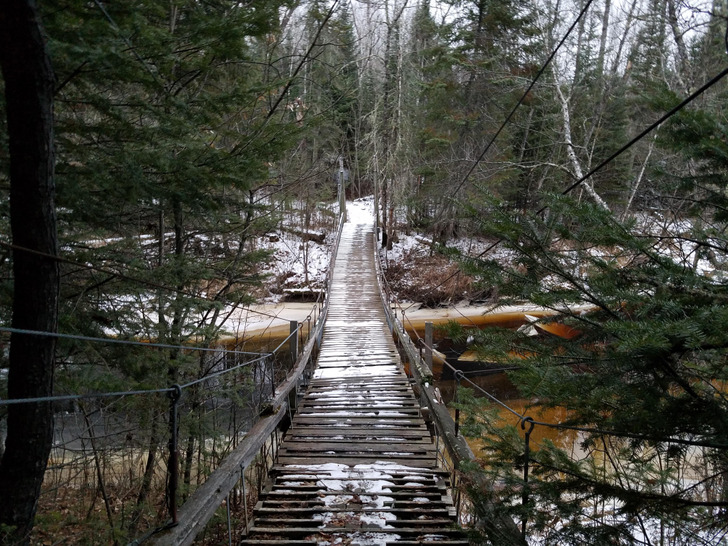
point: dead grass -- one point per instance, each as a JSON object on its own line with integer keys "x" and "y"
{"x": 433, "y": 280}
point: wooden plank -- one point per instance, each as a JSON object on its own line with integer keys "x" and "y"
{"x": 344, "y": 422}
{"x": 371, "y": 382}
{"x": 287, "y": 542}
{"x": 359, "y": 402}
{"x": 424, "y": 524}
{"x": 352, "y": 485}
{"x": 360, "y": 413}
{"x": 356, "y": 460}
{"x": 462, "y": 542}
{"x": 280, "y": 471}
{"x": 303, "y": 531}
{"x": 359, "y": 420}
{"x": 372, "y": 413}
{"x": 435, "y": 497}
{"x": 366, "y": 445}
{"x": 423, "y": 509}
{"x": 384, "y": 440}
{"x": 359, "y": 394}
{"x": 313, "y": 430}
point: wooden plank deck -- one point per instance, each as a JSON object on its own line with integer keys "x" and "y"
{"x": 358, "y": 465}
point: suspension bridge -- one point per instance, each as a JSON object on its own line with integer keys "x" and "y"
{"x": 359, "y": 464}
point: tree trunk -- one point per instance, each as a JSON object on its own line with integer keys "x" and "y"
{"x": 682, "y": 49}
{"x": 29, "y": 84}
{"x": 576, "y": 166}
{"x": 146, "y": 486}
{"x": 638, "y": 180}
{"x": 603, "y": 40}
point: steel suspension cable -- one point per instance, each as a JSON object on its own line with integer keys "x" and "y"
{"x": 124, "y": 341}
{"x": 523, "y": 97}
{"x": 70, "y": 397}
{"x": 126, "y": 277}
{"x": 261, "y": 357}
{"x": 522, "y": 417}
{"x": 508, "y": 119}
{"x": 713, "y": 81}
{"x": 646, "y": 131}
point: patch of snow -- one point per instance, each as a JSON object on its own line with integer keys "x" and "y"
{"x": 356, "y": 371}
{"x": 361, "y": 211}
{"x": 379, "y": 519}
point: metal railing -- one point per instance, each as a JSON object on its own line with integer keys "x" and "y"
{"x": 453, "y": 450}
{"x": 219, "y": 421}
{"x": 258, "y": 450}
{"x": 452, "y": 447}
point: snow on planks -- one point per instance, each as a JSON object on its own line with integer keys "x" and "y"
{"x": 358, "y": 465}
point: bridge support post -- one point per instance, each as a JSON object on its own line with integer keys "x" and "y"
{"x": 173, "y": 461}
{"x": 429, "y": 330}
{"x": 294, "y": 340}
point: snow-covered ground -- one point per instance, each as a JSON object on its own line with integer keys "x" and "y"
{"x": 412, "y": 268}
{"x": 273, "y": 316}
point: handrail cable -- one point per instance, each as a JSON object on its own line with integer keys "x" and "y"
{"x": 175, "y": 388}
{"x": 524, "y": 418}
{"x": 125, "y": 341}
{"x": 68, "y": 397}
{"x": 260, "y": 357}
{"x": 126, "y": 277}
{"x": 226, "y": 371}
{"x": 172, "y": 389}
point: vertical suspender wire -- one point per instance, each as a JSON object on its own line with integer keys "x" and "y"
{"x": 229, "y": 524}
{"x": 526, "y": 459}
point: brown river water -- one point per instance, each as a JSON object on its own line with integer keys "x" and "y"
{"x": 497, "y": 384}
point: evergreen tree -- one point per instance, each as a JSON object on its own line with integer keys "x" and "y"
{"x": 642, "y": 373}
{"x": 166, "y": 124}
{"x": 430, "y": 103}
{"x": 642, "y": 378}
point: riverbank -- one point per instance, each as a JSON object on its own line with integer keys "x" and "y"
{"x": 273, "y": 320}
{"x": 411, "y": 273}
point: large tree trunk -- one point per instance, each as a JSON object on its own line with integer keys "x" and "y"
{"x": 29, "y": 81}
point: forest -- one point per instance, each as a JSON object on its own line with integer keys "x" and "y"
{"x": 150, "y": 149}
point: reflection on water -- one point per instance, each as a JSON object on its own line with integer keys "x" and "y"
{"x": 497, "y": 384}
{"x": 568, "y": 440}
{"x": 267, "y": 341}
{"x": 500, "y": 386}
